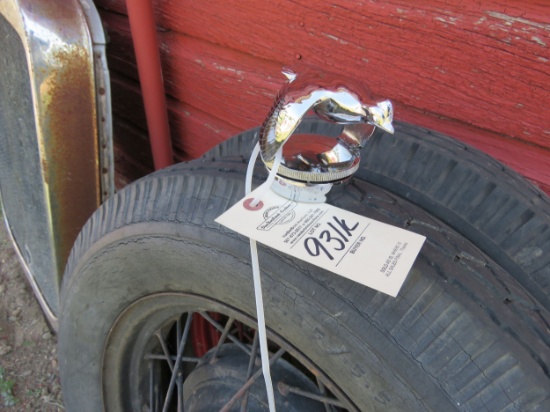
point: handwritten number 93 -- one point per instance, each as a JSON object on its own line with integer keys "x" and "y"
{"x": 334, "y": 238}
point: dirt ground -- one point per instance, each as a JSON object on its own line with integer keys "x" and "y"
{"x": 29, "y": 379}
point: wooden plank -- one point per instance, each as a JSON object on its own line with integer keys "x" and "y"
{"x": 131, "y": 164}
{"x": 236, "y": 90}
{"x": 232, "y": 86}
{"x": 193, "y": 131}
{"x": 484, "y": 64}
{"x": 189, "y": 126}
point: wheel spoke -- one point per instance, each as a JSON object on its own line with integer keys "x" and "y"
{"x": 165, "y": 350}
{"x": 225, "y": 332}
{"x": 250, "y": 382}
{"x": 188, "y": 359}
{"x": 179, "y": 381}
{"x": 284, "y": 388}
{"x": 322, "y": 389}
{"x": 221, "y": 329}
{"x": 251, "y": 362}
{"x": 175, "y": 372}
{"x": 151, "y": 388}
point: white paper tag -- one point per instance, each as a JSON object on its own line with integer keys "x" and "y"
{"x": 364, "y": 250}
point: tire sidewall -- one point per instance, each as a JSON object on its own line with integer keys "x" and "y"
{"x": 147, "y": 259}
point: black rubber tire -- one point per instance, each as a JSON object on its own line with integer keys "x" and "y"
{"x": 464, "y": 333}
{"x": 488, "y": 203}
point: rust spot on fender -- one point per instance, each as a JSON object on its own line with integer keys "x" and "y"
{"x": 70, "y": 150}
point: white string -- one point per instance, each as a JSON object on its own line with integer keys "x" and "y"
{"x": 250, "y": 169}
{"x": 261, "y": 325}
{"x": 256, "y": 269}
{"x": 270, "y": 178}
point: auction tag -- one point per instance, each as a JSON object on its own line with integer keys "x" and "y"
{"x": 364, "y": 250}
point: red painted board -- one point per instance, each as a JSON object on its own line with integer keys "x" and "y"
{"x": 208, "y": 77}
{"x": 227, "y": 84}
{"x": 484, "y": 63}
{"x": 193, "y": 131}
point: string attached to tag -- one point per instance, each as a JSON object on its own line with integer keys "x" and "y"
{"x": 270, "y": 178}
{"x": 256, "y": 268}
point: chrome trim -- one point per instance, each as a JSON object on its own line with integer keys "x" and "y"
{"x": 105, "y": 123}
{"x": 62, "y": 78}
{"x": 316, "y": 159}
{"x": 103, "y": 96}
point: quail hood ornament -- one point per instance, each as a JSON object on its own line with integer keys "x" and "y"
{"x": 311, "y": 162}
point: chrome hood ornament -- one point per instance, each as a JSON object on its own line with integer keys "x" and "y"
{"x": 317, "y": 160}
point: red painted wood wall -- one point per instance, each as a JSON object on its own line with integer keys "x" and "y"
{"x": 476, "y": 70}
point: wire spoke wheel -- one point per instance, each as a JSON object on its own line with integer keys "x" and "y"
{"x": 227, "y": 377}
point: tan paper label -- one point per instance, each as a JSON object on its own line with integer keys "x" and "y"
{"x": 361, "y": 249}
